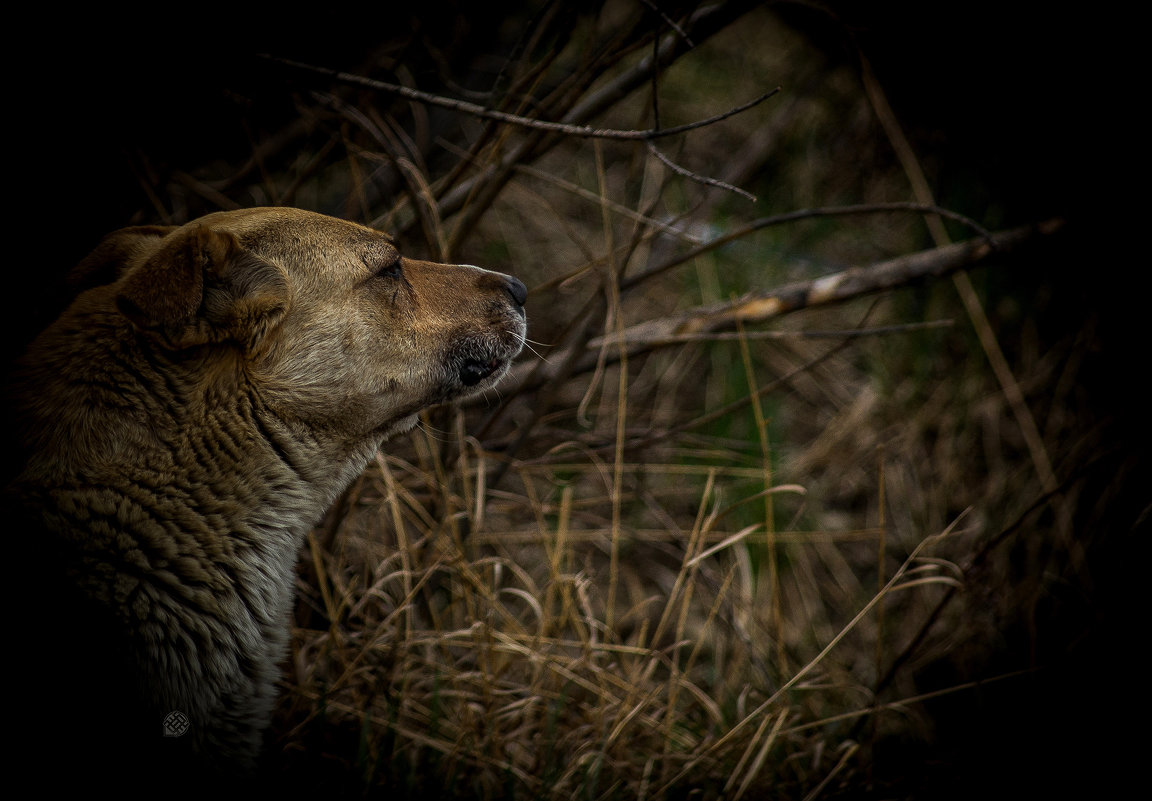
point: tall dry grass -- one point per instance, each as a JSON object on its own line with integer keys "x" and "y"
{"x": 744, "y": 564}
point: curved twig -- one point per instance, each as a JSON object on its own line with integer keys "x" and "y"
{"x": 850, "y": 283}
{"x": 584, "y": 131}
{"x": 802, "y": 214}
{"x": 702, "y": 179}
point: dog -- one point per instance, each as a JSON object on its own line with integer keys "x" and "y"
{"x": 201, "y": 403}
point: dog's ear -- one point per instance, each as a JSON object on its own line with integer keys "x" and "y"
{"x": 201, "y": 286}
{"x": 117, "y": 250}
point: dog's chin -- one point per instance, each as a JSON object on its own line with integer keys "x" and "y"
{"x": 476, "y": 376}
{"x": 475, "y": 372}
{"x": 398, "y": 427}
{"x": 477, "y": 366}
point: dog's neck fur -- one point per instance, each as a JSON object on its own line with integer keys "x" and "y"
{"x": 113, "y": 443}
{"x": 129, "y": 417}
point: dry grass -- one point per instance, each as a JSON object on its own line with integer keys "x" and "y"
{"x": 739, "y": 567}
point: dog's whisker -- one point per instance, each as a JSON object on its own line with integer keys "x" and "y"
{"x": 537, "y": 353}
{"x": 433, "y": 433}
{"x": 528, "y": 343}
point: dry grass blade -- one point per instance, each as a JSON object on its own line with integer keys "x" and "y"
{"x": 749, "y": 775}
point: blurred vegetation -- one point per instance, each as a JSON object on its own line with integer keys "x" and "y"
{"x": 809, "y": 555}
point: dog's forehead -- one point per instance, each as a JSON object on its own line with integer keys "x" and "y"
{"x": 285, "y": 230}
{"x": 294, "y": 227}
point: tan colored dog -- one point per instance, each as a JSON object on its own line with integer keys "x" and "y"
{"x": 184, "y": 424}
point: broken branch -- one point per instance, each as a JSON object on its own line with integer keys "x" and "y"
{"x": 854, "y": 282}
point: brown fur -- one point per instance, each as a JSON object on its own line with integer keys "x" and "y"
{"x": 182, "y": 425}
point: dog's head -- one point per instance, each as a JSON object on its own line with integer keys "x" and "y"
{"x": 329, "y": 322}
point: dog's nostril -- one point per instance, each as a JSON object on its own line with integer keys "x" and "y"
{"x": 516, "y": 289}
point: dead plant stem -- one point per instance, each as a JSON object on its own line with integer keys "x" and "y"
{"x": 769, "y": 514}
{"x": 615, "y": 316}
{"x": 968, "y": 296}
{"x": 768, "y": 703}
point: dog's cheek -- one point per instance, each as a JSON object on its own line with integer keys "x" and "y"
{"x": 378, "y": 379}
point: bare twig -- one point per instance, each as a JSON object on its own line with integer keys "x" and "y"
{"x": 704, "y": 22}
{"x": 795, "y": 216}
{"x": 844, "y": 333}
{"x": 655, "y": 151}
{"x": 851, "y": 283}
{"x": 669, "y": 21}
{"x": 475, "y": 110}
{"x": 702, "y": 179}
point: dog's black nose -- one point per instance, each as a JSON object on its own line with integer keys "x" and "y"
{"x": 515, "y": 287}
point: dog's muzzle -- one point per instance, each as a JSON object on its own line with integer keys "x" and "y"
{"x": 474, "y": 368}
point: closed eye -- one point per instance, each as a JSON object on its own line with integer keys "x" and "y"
{"x": 387, "y": 267}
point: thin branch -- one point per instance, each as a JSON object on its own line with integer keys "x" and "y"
{"x": 845, "y": 333}
{"x": 834, "y": 288}
{"x": 473, "y": 109}
{"x": 702, "y": 179}
{"x": 704, "y": 23}
{"x": 803, "y": 214}
{"x": 761, "y": 306}
{"x": 671, "y": 23}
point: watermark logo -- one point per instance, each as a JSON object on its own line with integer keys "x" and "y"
{"x": 175, "y": 724}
